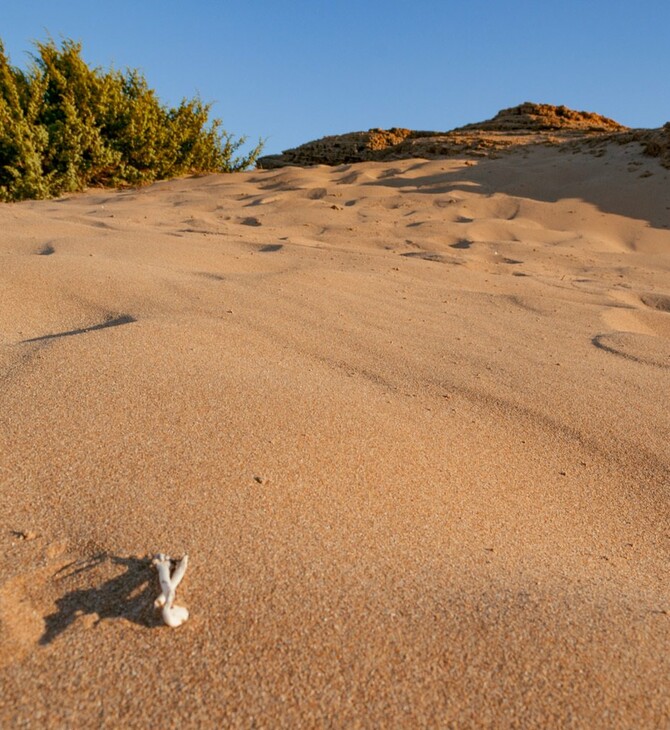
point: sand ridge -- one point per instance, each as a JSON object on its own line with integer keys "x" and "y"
{"x": 409, "y": 420}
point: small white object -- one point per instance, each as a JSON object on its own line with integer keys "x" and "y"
{"x": 173, "y": 615}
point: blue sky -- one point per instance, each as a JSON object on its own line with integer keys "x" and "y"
{"x": 291, "y": 71}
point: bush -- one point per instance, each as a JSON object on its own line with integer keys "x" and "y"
{"x": 65, "y": 126}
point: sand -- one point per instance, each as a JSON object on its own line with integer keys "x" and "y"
{"x": 409, "y": 420}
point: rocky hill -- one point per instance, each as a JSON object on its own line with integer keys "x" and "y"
{"x": 655, "y": 142}
{"x": 522, "y": 125}
{"x": 531, "y": 117}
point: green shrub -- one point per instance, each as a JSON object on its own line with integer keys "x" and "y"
{"x": 65, "y": 126}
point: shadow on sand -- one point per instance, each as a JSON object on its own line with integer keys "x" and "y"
{"x": 127, "y": 595}
{"x": 114, "y": 322}
{"x": 567, "y": 181}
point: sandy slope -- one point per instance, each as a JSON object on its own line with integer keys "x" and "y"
{"x": 409, "y": 420}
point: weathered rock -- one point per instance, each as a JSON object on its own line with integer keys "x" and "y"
{"x": 523, "y": 125}
{"x": 655, "y": 142}
{"x": 339, "y": 149}
{"x": 532, "y": 117}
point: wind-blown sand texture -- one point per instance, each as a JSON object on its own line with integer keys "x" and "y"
{"x": 409, "y": 420}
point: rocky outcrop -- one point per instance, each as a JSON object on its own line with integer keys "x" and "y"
{"x": 340, "y": 149}
{"x": 525, "y": 124}
{"x": 532, "y": 117}
{"x": 655, "y": 142}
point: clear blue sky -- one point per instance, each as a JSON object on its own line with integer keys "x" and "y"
{"x": 295, "y": 70}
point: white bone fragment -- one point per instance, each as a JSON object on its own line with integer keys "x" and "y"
{"x": 172, "y": 615}
{"x": 179, "y": 572}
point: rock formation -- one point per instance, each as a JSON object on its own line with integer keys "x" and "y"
{"x": 525, "y": 124}
{"x": 531, "y": 117}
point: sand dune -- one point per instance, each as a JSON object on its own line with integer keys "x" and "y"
{"x": 409, "y": 420}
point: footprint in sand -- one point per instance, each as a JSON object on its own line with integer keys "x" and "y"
{"x": 429, "y": 256}
{"x": 250, "y": 221}
{"x": 24, "y": 600}
{"x": 21, "y": 622}
{"x": 625, "y": 318}
{"x": 659, "y": 302}
{"x": 640, "y": 335}
{"x": 210, "y": 275}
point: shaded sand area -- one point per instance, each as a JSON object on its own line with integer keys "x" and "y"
{"x": 408, "y": 419}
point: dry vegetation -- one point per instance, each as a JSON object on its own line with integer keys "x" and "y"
{"x": 65, "y": 126}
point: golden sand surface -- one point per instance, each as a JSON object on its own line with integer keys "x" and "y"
{"x": 409, "y": 420}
